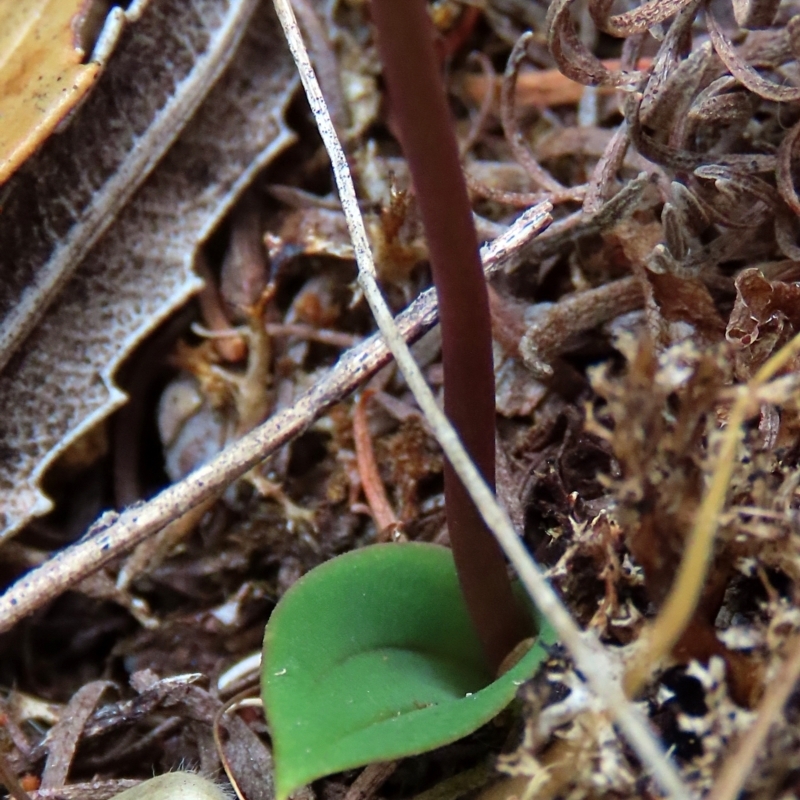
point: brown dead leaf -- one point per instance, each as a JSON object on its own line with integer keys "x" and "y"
{"x": 248, "y": 758}
{"x": 684, "y": 298}
{"x": 43, "y": 72}
{"x": 764, "y": 315}
{"x": 139, "y": 273}
{"x": 65, "y": 734}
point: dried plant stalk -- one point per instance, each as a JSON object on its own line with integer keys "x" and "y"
{"x": 738, "y": 764}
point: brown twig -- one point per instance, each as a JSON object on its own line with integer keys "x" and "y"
{"x": 366, "y": 785}
{"x": 419, "y": 108}
{"x": 371, "y": 483}
{"x": 503, "y": 196}
{"x": 10, "y": 781}
{"x": 228, "y": 342}
{"x": 308, "y": 332}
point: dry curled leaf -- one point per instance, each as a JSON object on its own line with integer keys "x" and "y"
{"x": 684, "y": 298}
{"x": 61, "y": 201}
{"x": 574, "y": 59}
{"x": 764, "y": 316}
{"x": 743, "y": 72}
{"x": 139, "y": 272}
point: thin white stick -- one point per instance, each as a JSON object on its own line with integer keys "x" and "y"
{"x": 590, "y": 656}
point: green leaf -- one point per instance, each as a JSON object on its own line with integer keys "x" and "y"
{"x": 372, "y": 657}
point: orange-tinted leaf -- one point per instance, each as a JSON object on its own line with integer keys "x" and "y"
{"x": 42, "y": 74}
{"x": 121, "y": 293}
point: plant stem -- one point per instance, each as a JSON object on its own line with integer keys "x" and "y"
{"x": 419, "y": 108}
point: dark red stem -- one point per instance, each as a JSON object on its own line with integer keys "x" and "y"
{"x": 420, "y": 111}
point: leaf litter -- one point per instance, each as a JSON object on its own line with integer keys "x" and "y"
{"x": 626, "y": 334}
{"x": 40, "y": 85}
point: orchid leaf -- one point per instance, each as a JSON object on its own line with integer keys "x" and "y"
{"x": 372, "y": 657}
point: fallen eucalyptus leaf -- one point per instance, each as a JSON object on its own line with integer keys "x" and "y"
{"x": 139, "y": 273}
{"x": 372, "y": 657}
{"x": 43, "y": 72}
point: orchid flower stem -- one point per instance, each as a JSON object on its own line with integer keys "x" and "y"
{"x": 419, "y": 108}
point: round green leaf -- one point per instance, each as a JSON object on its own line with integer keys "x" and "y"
{"x": 372, "y": 657}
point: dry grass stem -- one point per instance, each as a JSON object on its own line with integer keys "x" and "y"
{"x": 374, "y": 490}
{"x": 740, "y": 760}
